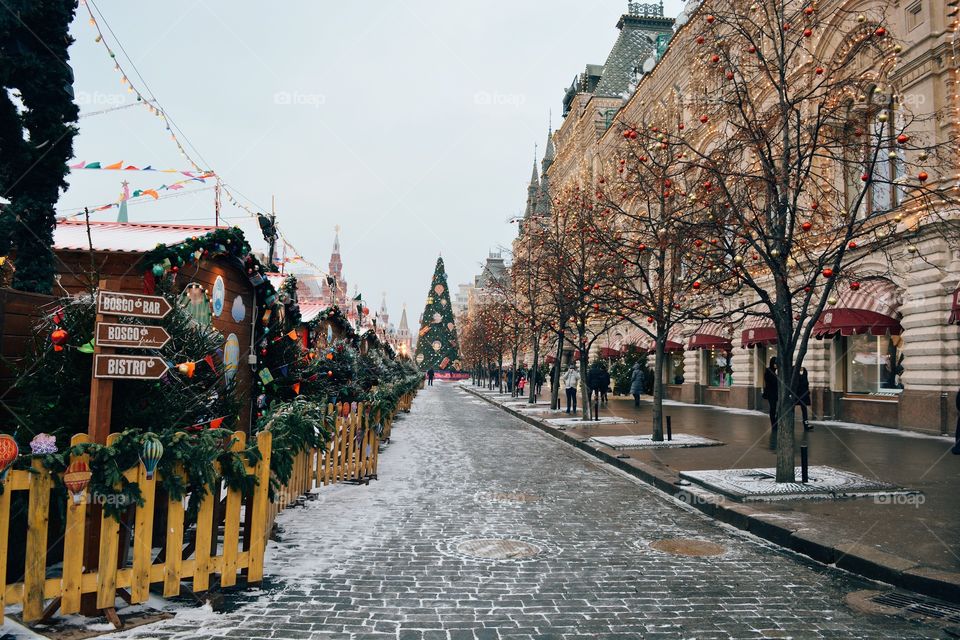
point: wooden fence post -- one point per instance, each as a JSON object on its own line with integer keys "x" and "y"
{"x": 260, "y": 498}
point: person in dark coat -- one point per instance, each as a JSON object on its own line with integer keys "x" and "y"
{"x": 771, "y": 389}
{"x": 430, "y": 377}
{"x": 510, "y": 380}
{"x": 636, "y": 384}
{"x": 604, "y": 382}
{"x": 956, "y": 447}
{"x": 595, "y": 380}
{"x": 803, "y": 397}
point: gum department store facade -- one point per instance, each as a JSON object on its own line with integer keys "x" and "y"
{"x": 907, "y": 376}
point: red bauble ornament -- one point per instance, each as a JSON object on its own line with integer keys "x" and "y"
{"x": 854, "y": 285}
{"x": 710, "y": 19}
{"x": 880, "y": 32}
{"x": 814, "y": 205}
{"x": 808, "y": 11}
{"x": 680, "y": 126}
{"x": 852, "y": 245}
{"x": 752, "y": 49}
{"x": 700, "y": 40}
{"x": 903, "y": 138}
{"x": 819, "y": 71}
{"x": 59, "y": 338}
{"x": 642, "y": 247}
{"x": 827, "y": 273}
{"x": 922, "y": 176}
{"x": 807, "y": 33}
{"x": 786, "y": 26}
{"x": 806, "y": 226}
{"x": 175, "y": 268}
{"x": 714, "y": 58}
{"x": 704, "y": 119}
{"x": 865, "y": 177}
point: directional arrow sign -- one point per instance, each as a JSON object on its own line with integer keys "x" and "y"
{"x": 137, "y": 305}
{"x": 130, "y": 367}
{"x": 112, "y": 334}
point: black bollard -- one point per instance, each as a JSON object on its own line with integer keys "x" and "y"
{"x": 596, "y": 408}
{"x": 669, "y": 429}
{"x": 804, "y": 463}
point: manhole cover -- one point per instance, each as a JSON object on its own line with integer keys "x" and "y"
{"x": 510, "y": 497}
{"x": 497, "y": 549}
{"x": 688, "y": 547}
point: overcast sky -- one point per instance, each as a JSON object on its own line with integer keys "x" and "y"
{"x": 409, "y": 123}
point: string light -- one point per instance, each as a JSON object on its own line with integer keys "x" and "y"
{"x": 153, "y": 106}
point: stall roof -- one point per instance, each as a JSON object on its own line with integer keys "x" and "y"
{"x": 132, "y": 237}
{"x": 310, "y": 310}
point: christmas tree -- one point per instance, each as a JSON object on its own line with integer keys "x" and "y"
{"x": 437, "y": 345}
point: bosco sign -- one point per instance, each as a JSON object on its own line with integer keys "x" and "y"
{"x": 112, "y": 334}
{"x": 132, "y": 304}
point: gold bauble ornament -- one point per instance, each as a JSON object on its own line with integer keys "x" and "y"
{"x": 738, "y": 259}
{"x": 912, "y": 249}
{"x": 775, "y": 253}
{"x": 831, "y": 301}
{"x": 861, "y": 18}
{"x": 883, "y": 117}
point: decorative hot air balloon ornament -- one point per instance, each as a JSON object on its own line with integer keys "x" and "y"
{"x": 76, "y": 479}
{"x": 9, "y": 450}
{"x": 150, "y": 456}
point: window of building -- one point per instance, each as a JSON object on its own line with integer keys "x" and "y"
{"x": 914, "y": 15}
{"x": 719, "y": 367}
{"x": 874, "y": 364}
{"x": 674, "y": 368}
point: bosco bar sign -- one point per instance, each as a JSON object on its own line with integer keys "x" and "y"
{"x": 132, "y": 304}
{"x": 130, "y": 367}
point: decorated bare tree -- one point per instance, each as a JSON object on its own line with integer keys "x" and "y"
{"x": 804, "y": 163}
{"x": 654, "y": 276}
{"x": 578, "y": 276}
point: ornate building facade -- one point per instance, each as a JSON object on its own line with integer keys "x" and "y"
{"x": 900, "y": 372}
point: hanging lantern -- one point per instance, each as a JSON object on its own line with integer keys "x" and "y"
{"x": 150, "y": 456}
{"x": 76, "y": 479}
{"x": 9, "y": 450}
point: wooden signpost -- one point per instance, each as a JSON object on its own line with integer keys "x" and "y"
{"x": 109, "y": 366}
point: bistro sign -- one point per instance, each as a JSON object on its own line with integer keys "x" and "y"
{"x": 130, "y": 367}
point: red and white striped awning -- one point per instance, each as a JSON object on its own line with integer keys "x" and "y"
{"x": 711, "y": 335}
{"x": 758, "y": 330}
{"x": 673, "y": 344}
{"x": 870, "y": 309}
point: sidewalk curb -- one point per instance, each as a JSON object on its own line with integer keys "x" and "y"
{"x": 862, "y": 560}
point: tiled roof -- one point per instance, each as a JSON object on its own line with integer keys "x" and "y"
{"x": 129, "y": 237}
{"x": 631, "y": 48}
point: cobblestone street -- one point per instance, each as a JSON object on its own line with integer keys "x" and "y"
{"x": 388, "y": 560}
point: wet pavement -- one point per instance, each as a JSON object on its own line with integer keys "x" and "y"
{"x": 924, "y": 530}
{"x": 481, "y": 527}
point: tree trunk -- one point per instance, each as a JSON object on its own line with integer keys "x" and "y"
{"x": 658, "y": 388}
{"x": 532, "y": 375}
{"x": 500, "y": 372}
{"x": 555, "y": 381}
{"x": 584, "y": 390}
{"x": 786, "y": 461}
{"x": 513, "y": 372}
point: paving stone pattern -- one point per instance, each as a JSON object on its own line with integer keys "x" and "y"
{"x": 381, "y": 561}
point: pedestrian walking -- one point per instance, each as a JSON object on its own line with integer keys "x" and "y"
{"x": 539, "y": 382}
{"x": 770, "y": 390}
{"x": 430, "y": 374}
{"x": 521, "y": 384}
{"x": 510, "y": 381}
{"x": 803, "y": 397}
{"x": 571, "y": 380}
{"x": 636, "y": 384}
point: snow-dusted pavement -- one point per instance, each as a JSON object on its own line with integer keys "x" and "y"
{"x": 409, "y": 557}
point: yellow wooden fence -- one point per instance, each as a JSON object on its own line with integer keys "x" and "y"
{"x": 352, "y": 454}
{"x": 201, "y": 557}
